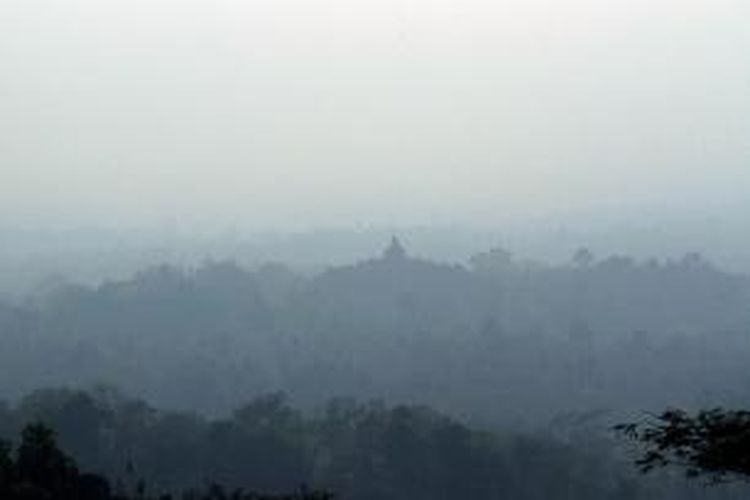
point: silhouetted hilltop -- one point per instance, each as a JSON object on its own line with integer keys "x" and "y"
{"x": 399, "y": 291}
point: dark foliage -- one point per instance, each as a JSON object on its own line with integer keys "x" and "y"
{"x": 712, "y": 443}
{"x": 360, "y": 451}
{"x": 39, "y": 470}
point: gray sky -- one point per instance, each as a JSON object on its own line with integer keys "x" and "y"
{"x": 315, "y": 112}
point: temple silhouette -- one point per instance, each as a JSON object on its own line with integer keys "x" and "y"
{"x": 395, "y": 251}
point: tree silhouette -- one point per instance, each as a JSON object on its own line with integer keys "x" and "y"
{"x": 42, "y": 471}
{"x": 714, "y": 444}
{"x": 6, "y": 469}
{"x": 41, "y": 465}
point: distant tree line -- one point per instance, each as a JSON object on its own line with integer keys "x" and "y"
{"x": 610, "y": 332}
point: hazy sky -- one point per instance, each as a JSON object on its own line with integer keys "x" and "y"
{"x": 292, "y": 112}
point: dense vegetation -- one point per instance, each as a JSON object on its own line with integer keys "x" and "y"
{"x": 39, "y": 470}
{"x": 610, "y": 334}
{"x": 359, "y": 451}
{"x": 533, "y": 363}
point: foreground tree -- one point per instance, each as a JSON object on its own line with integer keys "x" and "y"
{"x": 40, "y": 470}
{"x": 713, "y": 444}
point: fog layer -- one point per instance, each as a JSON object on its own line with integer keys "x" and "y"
{"x": 292, "y": 113}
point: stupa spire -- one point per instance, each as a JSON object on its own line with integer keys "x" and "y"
{"x": 395, "y": 250}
